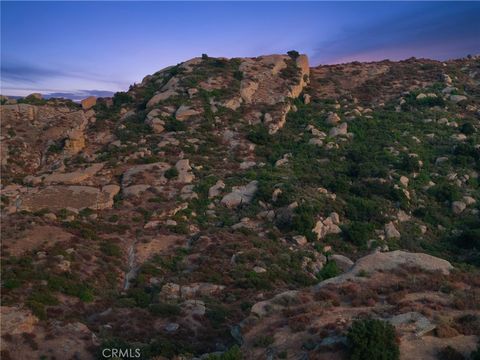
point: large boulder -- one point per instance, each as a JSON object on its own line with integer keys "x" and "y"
{"x": 184, "y": 171}
{"x": 387, "y": 261}
{"x": 89, "y": 102}
{"x": 240, "y": 195}
{"x": 159, "y": 97}
{"x": 184, "y": 112}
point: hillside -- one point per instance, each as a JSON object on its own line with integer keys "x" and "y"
{"x": 250, "y": 202}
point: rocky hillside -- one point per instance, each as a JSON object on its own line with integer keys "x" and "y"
{"x": 245, "y": 208}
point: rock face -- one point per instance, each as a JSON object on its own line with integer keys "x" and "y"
{"x": 263, "y": 84}
{"x": 240, "y": 195}
{"x": 70, "y": 178}
{"x": 391, "y": 260}
{"x": 61, "y": 197}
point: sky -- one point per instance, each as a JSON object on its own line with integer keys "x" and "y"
{"x": 85, "y": 48}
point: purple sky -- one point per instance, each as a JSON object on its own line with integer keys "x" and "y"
{"x": 83, "y": 47}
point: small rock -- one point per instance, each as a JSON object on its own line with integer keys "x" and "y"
{"x": 458, "y": 207}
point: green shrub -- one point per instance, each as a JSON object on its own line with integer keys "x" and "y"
{"x": 263, "y": 341}
{"x": 120, "y": 98}
{"x": 164, "y": 309}
{"x": 171, "y": 173}
{"x": 329, "y": 270}
{"x": 358, "y": 233}
{"x": 294, "y": 54}
{"x": 449, "y": 353}
{"x": 475, "y": 355}
{"x": 304, "y": 220}
{"x": 175, "y": 125}
{"x": 110, "y": 249}
{"x": 467, "y": 129}
{"x": 259, "y": 135}
{"x": 372, "y": 339}
{"x": 232, "y": 354}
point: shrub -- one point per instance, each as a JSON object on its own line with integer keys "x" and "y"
{"x": 475, "y": 355}
{"x": 232, "y": 354}
{"x": 358, "y": 233}
{"x": 328, "y": 271}
{"x": 110, "y": 249}
{"x": 121, "y": 98}
{"x": 171, "y": 173}
{"x": 372, "y": 339}
{"x": 164, "y": 309}
{"x": 175, "y": 125}
{"x": 449, "y": 353}
{"x": 259, "y": 135}
{"x": 293, "y": 54}
{"x": 263, "y": 341}
{"x": 467, "y": 129}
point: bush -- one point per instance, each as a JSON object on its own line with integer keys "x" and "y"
{"x": 175, "y": 125}
{"x": 164, "y": 309}
{"x": 449, "y": 353}
{"x": 358, "y": 233}
{"x": 232, "y": 354}
{"x": 259, "y": 135}
{"x": 293, "y": 54}
{"x": 467, "y": 129}
{"x": 328, "y": 271}
{"x": 171, "y": 173}
{"x": 372, "y": 339}
{"x": 475, "y": 355}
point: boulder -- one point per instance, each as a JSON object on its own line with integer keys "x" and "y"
{"x": 240, "y": 195}
{"x": 343, "y": 262}
{"x": 300, "y": 240}
{"x": 184, "y": 171}
{"x": 184, "y": 112}
{"x": 327, "y": 226}
{"x": 170, "y": 291}
{"x": 458, "y": 207}
{"x": 74, "y": 177}
{"x": 458, "y": 98}
{"x": 339, "y": 130}
{"x": 391, "y": 231}
{"x": 412, "y": 322}
{"x": 159, "y": 97}
{"x": 247, "y": 90}
{"x": 307, "y": 99}
{"x": 386, "y": 261}
{"x": 333, "y": 119}
{"x": 216, "y": 189}
{"x": 89, "y": 102}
